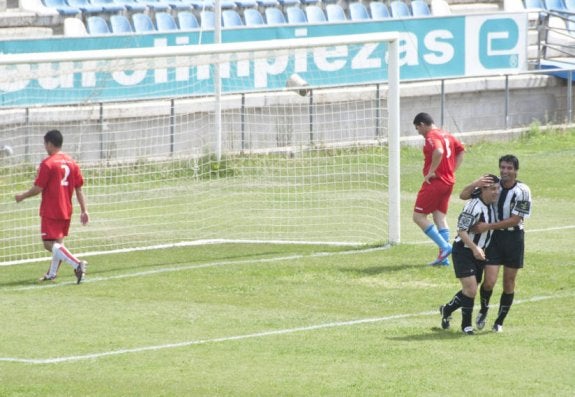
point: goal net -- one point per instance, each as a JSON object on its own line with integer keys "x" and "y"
{"x": 283, "y": 141}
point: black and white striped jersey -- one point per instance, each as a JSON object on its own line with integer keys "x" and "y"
{"x": 473, "y": 212}
{"x": 513, "y": 201}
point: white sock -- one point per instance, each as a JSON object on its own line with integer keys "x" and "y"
{"x": 54, "y": 266}
{"x": 60, "y": 253}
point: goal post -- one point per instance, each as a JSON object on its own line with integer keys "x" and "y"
{"x": 299, "y": 144}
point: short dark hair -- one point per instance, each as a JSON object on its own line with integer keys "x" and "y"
{"x": 509, "y": 158}
{"x": 423, "y": 118}
{"x": 54, "y": 137}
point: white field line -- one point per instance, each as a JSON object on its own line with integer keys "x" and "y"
{"x": 224, "y": 241}
{"x": 93, "y": 356}
{"x": 192, "y": 267}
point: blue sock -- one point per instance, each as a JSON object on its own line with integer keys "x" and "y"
{"x": 445, "y": 234}
{"x": 433, "y": 234}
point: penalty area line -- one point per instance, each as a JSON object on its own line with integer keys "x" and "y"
{"x": 93, "y": 356}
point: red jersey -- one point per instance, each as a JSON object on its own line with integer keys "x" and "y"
{"x": 58, "y": 176}
{"x": 439, "y": 139}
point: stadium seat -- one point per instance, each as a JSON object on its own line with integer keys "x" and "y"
{"x": 419, "y": 8}
{"x": 335, "y": 13}
{"x": 570, "y": 5}
{"x": 97, "y": 25}
{"x": 207, "y": 19}
{"x": 555, "y": 5}
{"x": 132, "y": 5}
{"x": 74, "y": 27}
{"x": 187, "y": 21}
{"x": 120, "y": 24}
{"x": 358, "y": 12}
{"x": 399, "y": 9}
{"x": 253, "y": 17}
{"x": 379, "y": 10}
{"x": 268, "y": 3}
{"x": 86, "y": 6}
{"x": 230, "y": 18}
{"x": 109, "y": 6}
{"x": 156, "y": 5}
{"x": 142, "y": 23}
{"x": 295, "y": 15}
{"x": 289, "y": 3}
{"x": 165, "y": 22}
{"x": 62, "y": 7}
{"x": 315, "y": 14}
{"x": 274, "y": 16}
{"x": 246, "y": 3}
{"x": 535, "y": 4}
{"x": 440, "y": 8}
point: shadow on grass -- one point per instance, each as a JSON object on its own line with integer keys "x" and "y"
{"x": 437, "y": 334}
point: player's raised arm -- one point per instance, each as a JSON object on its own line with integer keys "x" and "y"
{"x": 484, "y": 180}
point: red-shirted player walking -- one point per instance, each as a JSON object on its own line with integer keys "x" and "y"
{"x": 58, "y": 178}
{"x": 443, "y": 154}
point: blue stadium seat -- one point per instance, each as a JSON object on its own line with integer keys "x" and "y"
{"x": 379, "y": 10}
{"x": 570, "y": 5}
{"x": 86, "y": 6}
{"x": 109, "y": 6}
{"x": 97, "y": 25}
{"x": 295, "y": 15}
{"x": 358, "y": 12}
{"x": 165, "y": 22}
{"x": 335, "y": 13}
{"x": 62, "y": 7}
{"x": 187, "y": 20}
{"x": 555, "y": 5}
{"x": 142, "y": 23}
{"x": 120, "y": 24}
{"x": 253, "y": 17}
{"x": 274, "y": 16}
{"x": 207, "y": 19}
{"x": 132, "y": 5}
{"x": 535, "y": 4}
{"x": 246, "y": 3}
{"x": 419, "y": 8}
{"x": 156, "y": 5}
{"x": 230, "y": 18}
{"x": 399, "y": 9}
{"x": 289, "y": 3}
{"x": 268, "y": 3}
{"x": 315, "y": 14}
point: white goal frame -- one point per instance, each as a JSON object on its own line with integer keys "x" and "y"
{"x": 222, "y": 50}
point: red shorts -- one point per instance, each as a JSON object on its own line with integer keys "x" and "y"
{"x": 432, "y": 197}
{"x": 54, "y": 229}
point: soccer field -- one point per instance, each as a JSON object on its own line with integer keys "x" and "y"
{"x": 304, "y": 320}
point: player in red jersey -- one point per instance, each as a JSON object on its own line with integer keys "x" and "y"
{"x": 443, "y": 154}
{"x": 57, "y": 179}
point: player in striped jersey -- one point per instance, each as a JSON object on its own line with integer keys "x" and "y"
{"x": 508, "y": 248}
{"x": 469, "y": 253}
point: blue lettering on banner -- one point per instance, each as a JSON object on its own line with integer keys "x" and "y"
{"x": 436, "y": 47}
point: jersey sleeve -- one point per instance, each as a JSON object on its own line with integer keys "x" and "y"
{"x": 522, "y": 205}
{"x": 468, "y": 217}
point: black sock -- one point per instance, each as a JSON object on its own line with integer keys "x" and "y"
{"x": 454, "y": 304}
{"x": 484, "y": 296}
{"x": 504, "y": 305}
{"x": 466, "y": 311}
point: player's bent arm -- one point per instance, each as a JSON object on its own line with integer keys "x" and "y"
{"x": 436, "y": 157}
{"x": 476, "y": 184}
{"x": 33, "y": 191}
{"x": 84, "y": 216}
{"x": 459, "y": 160}
{"x": 512, "y": 221}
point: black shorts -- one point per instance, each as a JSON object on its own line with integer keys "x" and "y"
{"x": 506, "y": 248}
{"x": 464, "y": 263}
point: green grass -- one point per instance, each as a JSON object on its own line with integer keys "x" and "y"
{"x": 271, "y": 320}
